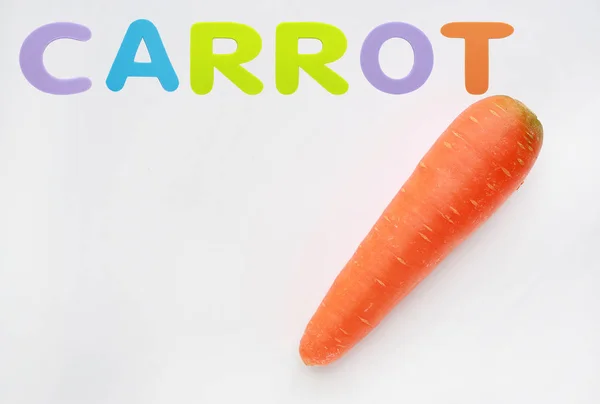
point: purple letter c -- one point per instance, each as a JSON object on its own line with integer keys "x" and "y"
{"x": 31, "y": 58}
{"x": 423, "y": 58}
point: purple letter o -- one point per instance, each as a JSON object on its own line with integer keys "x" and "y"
{"x": 423, "y": 58}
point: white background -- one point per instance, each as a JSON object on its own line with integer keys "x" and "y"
{"x": 164, "y": 248}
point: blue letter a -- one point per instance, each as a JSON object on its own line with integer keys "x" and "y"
{"x": 125, "y": 65}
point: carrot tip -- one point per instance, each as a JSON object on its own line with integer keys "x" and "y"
{"x": 308, "y": 362}
{"x": 313, "y": 353}
{"x": 307, "y": 357}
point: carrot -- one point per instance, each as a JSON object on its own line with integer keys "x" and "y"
{"x": 473, "y": 167}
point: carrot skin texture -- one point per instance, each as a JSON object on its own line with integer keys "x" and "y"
{"x": 481, "y": 159}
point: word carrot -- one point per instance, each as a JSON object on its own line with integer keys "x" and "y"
{"x": 288, "y": 60}
{"x": 473, "y": 167}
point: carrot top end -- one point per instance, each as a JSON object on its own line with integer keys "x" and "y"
{"x": 530, "y": 119}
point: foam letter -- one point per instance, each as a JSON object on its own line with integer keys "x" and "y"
{"x": 31, "y": 58}
{"x": 423, "y": 58}
{"x": 125, "y": 66}
{"x": 477, "y": 36}
{"x": 203, "y": 61}
{"x": 288, "y": 61}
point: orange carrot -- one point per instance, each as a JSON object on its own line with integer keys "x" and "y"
{"x": 468, "y": 173}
